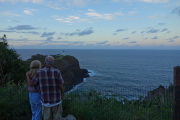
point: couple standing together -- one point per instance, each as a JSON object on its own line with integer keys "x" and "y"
{"x": 45, "y": 88}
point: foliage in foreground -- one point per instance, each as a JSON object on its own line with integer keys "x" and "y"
{"x": 12, "y": 68}
{"x": 89, "y": 105}
{"x": 14, "y": 103}
{"x": 94, "y": 106}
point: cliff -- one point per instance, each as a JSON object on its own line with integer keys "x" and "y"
{"x": 159, "y": 92}
{"x": 71, "y": 71}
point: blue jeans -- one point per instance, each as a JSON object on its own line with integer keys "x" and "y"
{"x": 36, "y": 105}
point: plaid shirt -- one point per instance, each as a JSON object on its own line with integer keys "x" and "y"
{"x": 49, "y": 80}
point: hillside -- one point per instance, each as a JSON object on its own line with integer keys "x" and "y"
{"x": 71, "y": 71}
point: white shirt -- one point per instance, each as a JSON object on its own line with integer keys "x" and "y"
{"x": 50, "y": 105}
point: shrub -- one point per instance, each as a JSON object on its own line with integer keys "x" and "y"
{"x": 94, "y": 106}
{"x": 12, "y": 68}
{"x": 14, "y": 103}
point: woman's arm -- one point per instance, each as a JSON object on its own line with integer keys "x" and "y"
{"x": 28, "y": 79}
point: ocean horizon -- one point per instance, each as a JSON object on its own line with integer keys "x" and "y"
{"x": 114, "y": 67}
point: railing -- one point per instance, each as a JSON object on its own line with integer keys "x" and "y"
{"x": 102, "y": 103}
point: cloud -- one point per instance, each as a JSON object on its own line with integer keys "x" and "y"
{"x": 153, "y": 31}
{"x": 163, "y": 30}
{"x": 63, "y": 4}
{"x": 155, "y": 1}
{"x": 173, "y": 38}
{"x": 115, "y": 34}
{"x": 80, "y": 33}
{"x": 155, "y": 16}
{"x": 133, "y": 32}
{"x": 133, "y": 42}
{"x": 49, "y": 39}
{"x": 143, "y": 32}
{"x": 9, "y": 14}
{"x": 176, "y": 11}
{"x": 85, "y": 32}
{"x": 161, "y": 24}
{"x": 15, "y": 1}
{"x": 101, "y": 16}
{"x": 6, "y": 31}
{"x": 91, "y": 14}
{"x": 47, "y": 34}
{"x": 68, "y": 19}
{"x": 91, "y": 10}
{"x": 176, "y": 37}
{"x": 131, "y": 13}
{"x": 79, "y": 3}
{"x": 105, "y": 16}
{"x": 59, "y": 38}
{"x": 19, "y": 40}
{"x": 31, "y": 32}
{"x": 100, "y": 43}
{"x": 22, "y": 27}
{"x": 27, "y": 12}
{"x": 120, "y": 30}
{"x": 155, "y": 37}
{"x": 115, "y": 0}
{"x": 125, "y": 38}
{"x": 13, "y": 20}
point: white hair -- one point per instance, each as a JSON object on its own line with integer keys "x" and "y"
{"x": 49, "y": 60}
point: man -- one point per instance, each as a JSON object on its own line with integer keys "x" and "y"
{"x": 51, "y": 87}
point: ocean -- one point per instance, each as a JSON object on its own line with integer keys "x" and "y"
{"x": 132, "y": 70}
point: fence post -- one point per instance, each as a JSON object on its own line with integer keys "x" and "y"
{"x": 177, "y": 93}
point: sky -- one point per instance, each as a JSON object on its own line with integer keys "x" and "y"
{"x": 91, "y": 24}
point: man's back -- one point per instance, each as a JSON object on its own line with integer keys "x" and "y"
{"x": 49, "y": 80}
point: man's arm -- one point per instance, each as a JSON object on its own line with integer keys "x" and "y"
{"x": 62, "y": 89}
{"x": 61, "y": 82}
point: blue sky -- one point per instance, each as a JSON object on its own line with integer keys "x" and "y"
{"x": 91, "y": 24}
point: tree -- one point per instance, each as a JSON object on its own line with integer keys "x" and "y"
{"x": 12, "y": 68}
{"x": 4, "y": 41}
{"x": 4, "y": 38}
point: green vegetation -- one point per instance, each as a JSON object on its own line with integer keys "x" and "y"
{"x": 94, "y": 106}
{"x": 12, "y": 68}
{"x": 14, "y": 103}
{"x": 89, "y": 105}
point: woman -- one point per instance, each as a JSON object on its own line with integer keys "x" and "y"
{"x": 34, "y": 93}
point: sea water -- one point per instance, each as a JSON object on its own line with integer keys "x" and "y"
{"x": 120, "y": 71}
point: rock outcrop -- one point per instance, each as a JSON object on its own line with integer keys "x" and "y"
{"x": 71, "y": 71}
{"x": 159, "y": 92}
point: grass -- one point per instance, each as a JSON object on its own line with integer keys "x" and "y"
{"x": 91, "y": 105}
{"x": 14, "y": 103}
{"x": 94, "y": 106}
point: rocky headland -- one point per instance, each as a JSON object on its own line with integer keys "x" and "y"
{"x": 71, "y": 71}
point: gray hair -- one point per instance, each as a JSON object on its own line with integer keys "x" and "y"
{"x": 49, "y": 60}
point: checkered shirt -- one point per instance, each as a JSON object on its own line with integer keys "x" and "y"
{"x": 49, "y": 80}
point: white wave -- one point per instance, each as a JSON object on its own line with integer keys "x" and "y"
{"x": 92, "y": 73}
{"x": 76, "y": 87}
